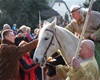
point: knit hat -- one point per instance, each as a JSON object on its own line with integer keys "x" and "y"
{"x": 6, "y": 26}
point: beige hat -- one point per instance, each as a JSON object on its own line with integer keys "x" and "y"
{"x": 75, "y": 8}
{"x": 6, "y": 26}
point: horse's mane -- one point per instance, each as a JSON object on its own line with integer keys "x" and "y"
{"x": 66, "y": 31}
{"x": 69, "y": 41}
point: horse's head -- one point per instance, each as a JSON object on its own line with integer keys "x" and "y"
{"x": 48, "y": 43}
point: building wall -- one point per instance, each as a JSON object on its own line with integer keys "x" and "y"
{"x": 61, "y": 9}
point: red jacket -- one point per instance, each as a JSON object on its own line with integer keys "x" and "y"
{"x": 27, "y": 68}
{"x": 28, "y": 37}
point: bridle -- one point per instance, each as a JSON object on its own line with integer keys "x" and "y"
{"x": 51, "y": 41}
{"x": 54, "y": 34}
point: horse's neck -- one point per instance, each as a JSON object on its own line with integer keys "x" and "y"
{"x": 68, "y": 44}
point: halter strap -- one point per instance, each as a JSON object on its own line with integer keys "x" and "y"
{"x": 51, "y": 41}
{"x": 55, "y": 35}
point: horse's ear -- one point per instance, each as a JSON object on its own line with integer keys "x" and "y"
{"x": 55, "y": 19}
{"x": 45, "y": 22}
{"x": 53, "y": 23}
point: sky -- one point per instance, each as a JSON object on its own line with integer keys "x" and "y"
{"x": 74, "y": 2}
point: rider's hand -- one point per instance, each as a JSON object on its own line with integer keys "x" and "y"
{"x": 93, "y": 37}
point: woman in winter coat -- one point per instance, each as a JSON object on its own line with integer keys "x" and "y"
{"x": 26, "y": 66}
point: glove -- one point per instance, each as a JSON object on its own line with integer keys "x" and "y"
{"x": 62, "y": 70}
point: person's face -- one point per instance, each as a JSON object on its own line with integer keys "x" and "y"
{"x": 24, "y": 34}
{"x": 11, "y": 37}
{"x": 76, "y": 15}
{"x": 82, "y": 51}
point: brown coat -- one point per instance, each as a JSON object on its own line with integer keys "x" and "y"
{"x": 9, "y": 56}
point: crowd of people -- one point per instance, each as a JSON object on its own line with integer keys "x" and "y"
{"x": 17, "y": 50}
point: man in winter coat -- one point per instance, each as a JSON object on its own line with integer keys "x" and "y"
{"x": 10, "y": 55}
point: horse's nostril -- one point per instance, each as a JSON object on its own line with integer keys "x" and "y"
{"x": 36, "y": 60}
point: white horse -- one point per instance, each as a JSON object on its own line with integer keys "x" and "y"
{"x": 52, "y": 38}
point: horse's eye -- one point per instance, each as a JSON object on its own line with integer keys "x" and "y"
{"x": 46, "y": 38}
